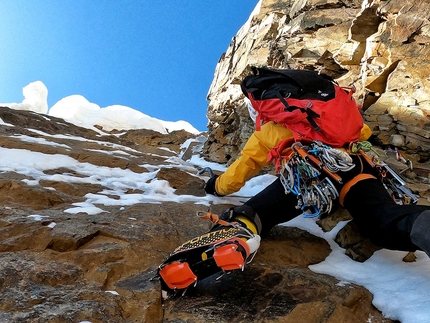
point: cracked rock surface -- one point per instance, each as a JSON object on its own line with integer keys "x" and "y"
{"x": 78, "y": 242}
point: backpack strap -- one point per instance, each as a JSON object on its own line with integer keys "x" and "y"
{"x": 310, "y": 114}
{"x": 258, "y": 122}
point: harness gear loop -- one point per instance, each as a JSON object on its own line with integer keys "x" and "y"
{"x": 298, "y": 148}
{"x": 280, "y": 152}
{"x": 307, "y": 172}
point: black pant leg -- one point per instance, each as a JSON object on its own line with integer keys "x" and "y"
{"x": 386, "y": 223}
{"x": 273, "y": 206}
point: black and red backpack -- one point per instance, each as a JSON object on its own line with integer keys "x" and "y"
{"x": 311, "y": 104}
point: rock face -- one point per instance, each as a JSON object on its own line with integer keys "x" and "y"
{"x": 380, "y": 47}
{"x": 59, "y": 264}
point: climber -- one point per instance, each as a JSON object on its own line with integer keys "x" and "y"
{"x": 352, "y": 180}
{"x": 387, "y": 224}
{"x": 361, "y": 191}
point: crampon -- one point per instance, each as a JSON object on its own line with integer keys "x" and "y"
{"x": 228, "y": 246}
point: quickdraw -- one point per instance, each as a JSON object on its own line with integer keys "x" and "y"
{"x": 395, "y": 185}
{"x": 309, "y": 171}
{"x": 392, "y": 181}
{"x": 301, "y": 172}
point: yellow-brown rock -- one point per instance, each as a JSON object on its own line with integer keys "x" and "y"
{"x": 380, "y": 47}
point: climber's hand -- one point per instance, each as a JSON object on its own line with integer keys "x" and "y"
{"x": 210, "y": 184}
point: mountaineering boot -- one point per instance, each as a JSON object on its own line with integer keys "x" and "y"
{"x": 229, "y": 245}
{"x": 245, "y": 215}
{"x": 420, "y": 232}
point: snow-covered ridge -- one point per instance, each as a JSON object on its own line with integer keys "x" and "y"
{"x": 79, "y": 111}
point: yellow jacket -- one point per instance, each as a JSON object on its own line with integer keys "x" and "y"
{"x": 254, "y": 156}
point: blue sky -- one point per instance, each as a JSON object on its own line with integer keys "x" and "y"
{"x": 157, "y": 57}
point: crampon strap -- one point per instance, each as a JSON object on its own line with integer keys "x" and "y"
{"x": 214, "y": 218}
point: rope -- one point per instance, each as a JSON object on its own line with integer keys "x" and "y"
{"x": 362, "y": 145}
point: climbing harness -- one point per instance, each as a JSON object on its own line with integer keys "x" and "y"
{"x": 309, "y": 172}
{"x": 392, "y": 181}
{"x": 302, "y": 171}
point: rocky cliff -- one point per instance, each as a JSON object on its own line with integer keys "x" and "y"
{"x": 80, "y": 236}
{"x": 87, "y": 216}
{"x": 380, "y": 47}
